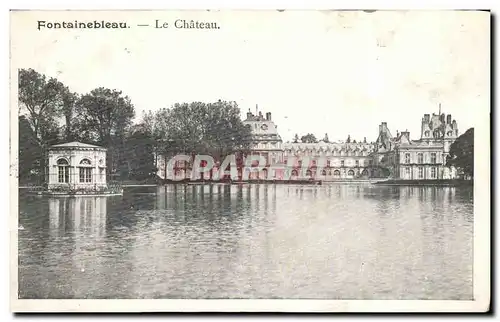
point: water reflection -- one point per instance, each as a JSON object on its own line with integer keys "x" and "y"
{"x": 250, "y": 241}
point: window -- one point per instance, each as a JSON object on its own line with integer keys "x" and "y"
{"x": 350, "y": 173}
{"x": 370, "y": 162}
{"x": 433, "y": 172}
{"x": 357, "y": 163}
{"x": 336, "y": 173}
{"x": 323, "y": 172}
{"x": 342, "y": 163}
{"x": 420, "y": 172}
{"x": 407, "y": 171}
{"x": 327, "y": 163}
{"x": 407, "y": 158}
{"x": 85, "y": 171}
{"x": 63, "y": 171}
{"x": 433, "y": 157}
{"x": 420, "y": 158}
{"x": 85, "y": 174}
{"x": 450, "y": 133}
{"x": 427, "y": 133}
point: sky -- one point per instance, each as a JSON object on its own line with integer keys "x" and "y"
{"x": 335, "y": 72}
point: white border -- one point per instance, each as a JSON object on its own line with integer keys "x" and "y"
{"x": 481, "y": 212}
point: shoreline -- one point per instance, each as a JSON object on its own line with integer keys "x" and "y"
{"x": 443, "y": 183}
{"x": 431, "y": 183}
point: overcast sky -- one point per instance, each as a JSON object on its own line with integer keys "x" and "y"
{"x": 322, "y": 72}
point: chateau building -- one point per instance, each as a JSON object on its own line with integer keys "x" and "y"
{"x": 422, "y": 159}
{"x": 330, "y": 160}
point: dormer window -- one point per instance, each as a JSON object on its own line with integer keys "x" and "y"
{"x": 450, "y": 133}
{"x": 427, "y": 133}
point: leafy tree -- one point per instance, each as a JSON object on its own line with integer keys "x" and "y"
{"x": 41, "y": 98}
{"x": 462, "y": 153}
{"x": 104, "y": 115}
{"x": 69, "y": 100}
{"x": 296, "y": 138}
{"x": 309, "y": 138}
{"x": 213, "y": 128}
{"x": 139, "y": 153}
{"x": 29, "y": 151}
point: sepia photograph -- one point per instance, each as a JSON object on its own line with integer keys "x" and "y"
{"x": 255, "y": 161}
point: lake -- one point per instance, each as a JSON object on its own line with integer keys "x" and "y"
{"x": 334, "y": 241}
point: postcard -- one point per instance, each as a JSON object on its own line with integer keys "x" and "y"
{"x": 250, "y": 161}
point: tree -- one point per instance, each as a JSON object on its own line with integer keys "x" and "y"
{"x": 461, "y": 153}
{"x": 29, "y": 151}
{"x": 213, "y": 128}
{"x": 41, "y": 98}
{"x": 308, "y": 138}
{"x": 326, "y": 140}
{"x": 296, "y": 138}
{"x": 69, "y": 100}
{"x": 139, "y": 153}
{"x": 104, "y": 116}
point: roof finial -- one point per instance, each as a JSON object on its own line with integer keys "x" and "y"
{"x": 439, "y": 108}
{"x": 256, "y": 109}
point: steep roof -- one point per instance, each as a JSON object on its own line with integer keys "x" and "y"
{"x": 75, "y": 144}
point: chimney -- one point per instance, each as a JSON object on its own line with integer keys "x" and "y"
{"x": 448, "y": 119}
{"x": 406, "y": 133}
{"x": 249, "y": 114}
{"x": 268, "y": 116}
{"x": 427, "y": 118}
{"x": 260, "y": 115}
{"x": 441, "y": 118}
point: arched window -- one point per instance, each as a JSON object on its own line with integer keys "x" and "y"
{"x": 323, "y": 172}
{"x": 427, "y": 133}
{"x": 350, "y": 173}
{"x": 294, "y": 173}
{"x": 85, "y": 171}
{"x": 450, "y": 133}
{"x": 364, "y": 173}
{"x": 336, "y": 173}
{"x": 63, "y": 170}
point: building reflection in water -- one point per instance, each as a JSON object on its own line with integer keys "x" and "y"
{"x": 85, "y": 215}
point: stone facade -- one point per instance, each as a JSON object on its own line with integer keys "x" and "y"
{"x": 422, "y": 159}
{"x": 76, "y": 165}
{"x": 266, "y": 140}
